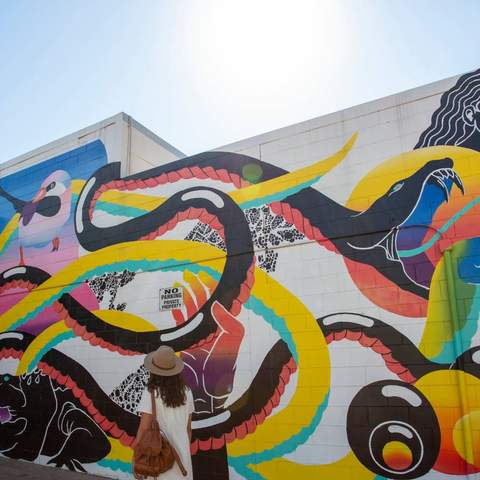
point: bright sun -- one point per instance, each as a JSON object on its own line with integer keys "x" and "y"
{"x": 254, "y": 44}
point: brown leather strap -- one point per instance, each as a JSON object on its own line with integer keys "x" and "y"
{"x": 155, "y": 424}
{"x": 176, "y": 456}
{"x": 154, "y": 407}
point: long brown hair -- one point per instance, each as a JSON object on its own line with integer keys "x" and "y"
{"x": 172, "y": 390}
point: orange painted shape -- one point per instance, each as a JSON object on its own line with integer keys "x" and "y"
{"x": 442, "y": 390}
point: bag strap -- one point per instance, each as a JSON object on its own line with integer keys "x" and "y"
{"x": 154, "y": 409}
{"x": 176, "y": 456}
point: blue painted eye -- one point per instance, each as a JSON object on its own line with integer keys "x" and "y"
{"x": 6, "y": 378}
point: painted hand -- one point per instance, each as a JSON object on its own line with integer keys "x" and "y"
{"x": 210, "y": 367}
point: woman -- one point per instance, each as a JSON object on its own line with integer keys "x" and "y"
{"x": 174, "y": 404}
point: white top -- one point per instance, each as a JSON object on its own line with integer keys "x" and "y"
{"x": 173, "y": 422}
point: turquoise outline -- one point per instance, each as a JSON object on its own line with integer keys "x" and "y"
{"x": 422, "y": 248}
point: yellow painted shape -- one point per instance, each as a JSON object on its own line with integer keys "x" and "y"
{"x": 472, "y": 421}
{"x": 148, "y": 250}
{"x": 313, "y": 381}
{"x": 346, "y": 468}
{"x": 123, "y": 198}
{"x": 459, "y": 423}
{"x": 9, "y": 230}
{"x": 441, "y": 388}
{"x": 292, "y": 179}
{"x": 378, "y": 180}
{"x": 246, "y": 194}
{"x": 119, "y": 451}
{"x": 131, "y": 199}
{"x": 207, "y": 280}
{"x": 314, "y": 370}
{"x": 38, "y": 343}
{"x": 438, "y": 327}
{"x": 196, "y": 286}
{"x": 77, "y": 185}
{"x": 125, "y": 320}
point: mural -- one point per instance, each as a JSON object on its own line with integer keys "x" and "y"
{"x": 85, "y": 251}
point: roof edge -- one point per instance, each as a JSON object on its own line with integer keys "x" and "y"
{"x": 153, "y": 136}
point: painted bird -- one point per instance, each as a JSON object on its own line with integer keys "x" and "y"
{"x": 42, "y": 218}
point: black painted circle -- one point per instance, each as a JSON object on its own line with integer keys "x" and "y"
{"x": 393, "y": 430}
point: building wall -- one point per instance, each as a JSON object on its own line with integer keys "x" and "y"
{"x": 329, "y": 324}
{"x": 142, "y": 149}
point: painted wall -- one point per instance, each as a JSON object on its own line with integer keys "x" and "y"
{"x": 329, "y": 270}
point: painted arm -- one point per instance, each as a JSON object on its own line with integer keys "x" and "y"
{"x": 145, "y": 422}
{"x": 189, "y": 428}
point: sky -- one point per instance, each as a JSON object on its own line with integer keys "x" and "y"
{"x": 205, "y": 73}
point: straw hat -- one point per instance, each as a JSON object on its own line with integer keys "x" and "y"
{"x": 163, "y": 361}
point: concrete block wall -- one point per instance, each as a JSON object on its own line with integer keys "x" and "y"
{"x": 329, "y": 272}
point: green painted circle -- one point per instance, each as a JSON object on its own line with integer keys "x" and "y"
{"x": 252, "y": 172}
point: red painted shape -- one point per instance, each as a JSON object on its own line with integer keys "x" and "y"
{"x": 379, "y": 347}
{"x": 151, "y": 182}
{"x": 106, "y": 425}
{"x": 218, "y": 443}
{"x": 339, "y": 335}
{"x": 198, "y": 172}
{"x": 353, "y": 336}
{"x": 77, "y": 391}
{"x": 194, "y": 447}
{"x": 115, "y": 431}
{"x": 85, "y": 401}
{"x": 185, "y": 173}
{"x": 98, "y": 417}
{"x": 223, "y": 175}
{"x": 241, "y": 431}
{"x": 235, "y": 179}
{"x": 366, "y": 341}
{"x": 211, "y": 173}
{"x": 205, "y": 445}
{"x": 126, "y": 439}
{"x": 230, "y": 436}
{"x": 251, "y": 424}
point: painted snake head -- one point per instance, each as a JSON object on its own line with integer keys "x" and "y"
{"x": 402, "y": 198}
{"x": 431, "y": 183}
{"x": 438, "y": 173}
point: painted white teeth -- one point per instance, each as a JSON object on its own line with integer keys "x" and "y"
{"x": 445, "y": 190}
{"x": 458, "y": 182}
{"x": 446, "y": 173}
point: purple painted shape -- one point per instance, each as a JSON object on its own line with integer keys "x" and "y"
{"x": 419, "y": 268}
{"x": 5, "y": 415}
{"x": 83, "y": 294}
{"x": 28, "y": 211}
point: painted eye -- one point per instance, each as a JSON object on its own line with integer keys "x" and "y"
{"x": 393, "y": 430}
{"x": 396, "y": 188}
{"x": 51, "y": 186}
{"x": 6, "y": 378}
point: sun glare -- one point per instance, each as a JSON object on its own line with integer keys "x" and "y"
{"x": 258, "y": 45}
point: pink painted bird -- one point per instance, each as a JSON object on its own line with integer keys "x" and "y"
{"x": 42, "y": 218}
